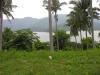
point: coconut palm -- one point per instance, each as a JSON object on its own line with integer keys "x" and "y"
{"x": 71, "y": 23}
{"x": 47, "y": 5}
{"x": 5, "y": 8}
{"x": 56, "y": 5}
{"x": 89, "y": 13}
{"x": 75, "y": 22}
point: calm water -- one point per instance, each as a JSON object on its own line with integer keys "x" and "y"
{"x": 44, "y": 36}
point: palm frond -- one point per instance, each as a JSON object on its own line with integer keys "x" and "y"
{"x": 8, "y": 14}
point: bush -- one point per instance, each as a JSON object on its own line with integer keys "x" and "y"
{"x": 8, "y": 36}
{"x": 63, "y": 39}
{"x": 21, "y": 39}
{"x": 72, "y": 46}
{"x": 97, "y": 45}
{"x": 41, "y": 45}
{"x": 87, "y": 43}
{"x": 24, "y": 39}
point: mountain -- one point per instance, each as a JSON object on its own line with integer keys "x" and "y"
{"x": 18, "y": 24}
{"x": 40, "y": 25}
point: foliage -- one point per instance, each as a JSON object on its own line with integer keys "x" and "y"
{"x": 56, "y": 5}
{"x": 6, "y": 9}
{"x": 97, "y": 45}
{"x": 63, "y": 39}
{"x": 87, "y": 42}
{"x": 24, "y": 39}
{"x": 73, "y": 46}
{"x": 21, "y": 39}
{"x": 8, "y": 36}
{"x": 81, "y": 16}
{"x": 41, "y": 45}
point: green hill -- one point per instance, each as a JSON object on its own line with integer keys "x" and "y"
{"x": 41, "y": 25}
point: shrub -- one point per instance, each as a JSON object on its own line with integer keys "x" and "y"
{"x": 63, "y": 39}
{"x": 97, "y": 45}
{"x": 24, "y": 39}
{"x": 8, "y": 36}
{"x": 41, "y": 45}
{"x": 87, "y": 43}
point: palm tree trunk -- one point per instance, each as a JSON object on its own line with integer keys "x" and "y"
{"x": 50, "y": 26}
{"x": 1, "y": 19}
{"x": 56, "y": 20}
{"x": 86, "y": 38}
{"x": 75, "y": 40}
{"x": 81, "y": 38}
{"x": 92, "y": 26}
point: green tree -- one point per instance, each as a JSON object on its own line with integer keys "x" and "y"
{"x": 47, "y": 5}
{"x": 86, "y": 41}
{"x": 41, "y": 45}
{"x": 84, "y": 15}
{"x": 76, "y": 22}
{"x": 56, "y": 5}
{"x": 24, "y": 39}
{"x": 63, "y": 39}
{"x": 8, "y": 37}
{"x": 71, "y": 23}
{"x": 5, "y": 8}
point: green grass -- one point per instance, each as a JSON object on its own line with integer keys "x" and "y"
{"x": 38, "y": 63}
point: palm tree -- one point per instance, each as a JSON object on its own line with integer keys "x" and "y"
{"x": 75, "y": 22}
{"x": 56, "y": 5}
{"x": 80, "y": 7}
{"x": 5, "y": 8}
{"x": 93, "y": 15}
{"x": 92, "y": 26}
{"x": 72, "y": 24}
{"x": 89, "y": 13}
{"x": 47, "y": 4}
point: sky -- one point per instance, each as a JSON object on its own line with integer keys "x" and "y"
{"x": 34, "y": 8}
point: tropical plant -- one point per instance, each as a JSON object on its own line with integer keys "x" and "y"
{"x": 47, "y": 5}
{"x": 71, "y": 23}
{"x": 41, "y": 45}
{"x": 5, "y": 8}
{"x": 83, "y": 15}
{"x": 24, "y": 39}
{"x": 56, "y": 5}
{"x": 86, "y": 41}
{"x": 8, "y": 37}
{"x": 63, "y": 39}
{"x": 76, "y": 22}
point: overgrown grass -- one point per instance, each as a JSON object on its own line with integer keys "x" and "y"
{"x": 38, "y": 63}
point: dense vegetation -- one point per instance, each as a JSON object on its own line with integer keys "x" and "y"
{"x": 22, "y": 53}
{"x": 27, "y": 40}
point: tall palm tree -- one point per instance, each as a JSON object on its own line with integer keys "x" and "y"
{"x": 71, "y": 22}
{"x": 5, "y": 8}
{"x": 47, "y": 4}
{"x": 75, "y": 22}
{"x": 56, "y": 5}
{"x": 80, "y": 7}
{"x": 93, "y": 15}
{"x": 89, "y": 12}
{"x": 92, "y": 26}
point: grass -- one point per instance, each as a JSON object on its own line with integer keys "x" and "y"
{"x": 38, "y": 63}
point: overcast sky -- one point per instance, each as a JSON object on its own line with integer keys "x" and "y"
{"x": 34, "y": 8}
